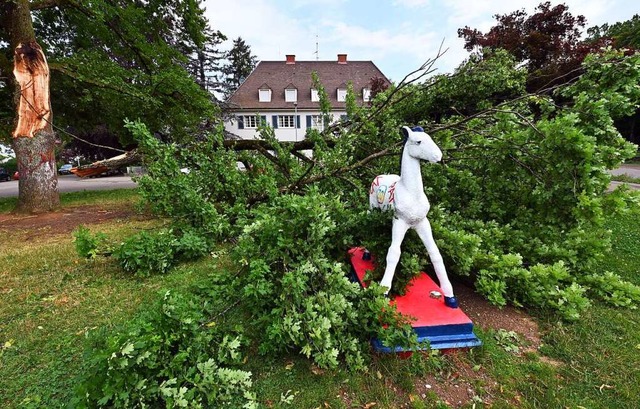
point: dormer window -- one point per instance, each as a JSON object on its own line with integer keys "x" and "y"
{"x": 366, "y": 94}
{"x": 264, "y": 94}
{"x": 342, "y": 94}
{"x": 291, "y": 94}
{"x": 314, "y": 95}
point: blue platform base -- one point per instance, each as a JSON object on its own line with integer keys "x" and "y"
{"x": 432, "y": 320}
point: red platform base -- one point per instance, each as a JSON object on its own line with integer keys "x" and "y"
{"x": 442, "y": 326}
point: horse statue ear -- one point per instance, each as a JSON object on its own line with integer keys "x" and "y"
{"x": 405, "y": 132}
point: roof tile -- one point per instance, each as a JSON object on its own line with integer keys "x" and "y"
{"x": 279, "y": 76}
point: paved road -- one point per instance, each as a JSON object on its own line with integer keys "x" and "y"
{"x": 72, "y": 183}
{"x": 631, "y": 170}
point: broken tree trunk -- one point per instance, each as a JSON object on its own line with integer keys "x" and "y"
{"x": 33, "y": 139}
{"x": 101, "y": 166}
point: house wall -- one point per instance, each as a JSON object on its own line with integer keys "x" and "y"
{"x": 283, "y": 134}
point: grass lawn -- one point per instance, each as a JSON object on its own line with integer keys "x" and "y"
{"x": 625, "y": 178}
{"x": 50, "y": 299}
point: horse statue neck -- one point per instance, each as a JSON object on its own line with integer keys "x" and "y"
{"x": 410, "y": 173}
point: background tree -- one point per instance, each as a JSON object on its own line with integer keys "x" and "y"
{"x": 200, "y": 43}
{"x": 110, "y": 60}
{"x": 547, "y": 42}
{"x": 239, "y": 65}
{"x": 624, "y": 34}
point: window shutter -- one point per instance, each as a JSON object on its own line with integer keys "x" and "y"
{"x": 241, "y": 122}
{"x": 263, "y": 120}
{"x": 297, "y": 121}
{"x": 274, "y": 121}
{"x": 308, "y": 121}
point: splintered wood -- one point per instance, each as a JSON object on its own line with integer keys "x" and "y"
{"x": 32, "y": 73}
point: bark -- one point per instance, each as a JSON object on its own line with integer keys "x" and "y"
{"x": 38, "y": 185}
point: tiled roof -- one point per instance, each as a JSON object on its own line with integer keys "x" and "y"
{"x": 278, "y": 76}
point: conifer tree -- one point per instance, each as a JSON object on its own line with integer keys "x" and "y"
{"x": 239, "y": 65}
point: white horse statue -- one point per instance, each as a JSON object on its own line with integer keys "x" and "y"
{"x": 405, "y": 194}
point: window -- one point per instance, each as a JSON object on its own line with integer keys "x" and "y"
{"x": 366, "y": 94}
{"x": 264, "y": 95}
{"x": 316, "y": 122}
{"x": 319, "y": 122}
{"x": 314, "y": 95}
{"x": 286, "y": 121}
{"x": 250, "y": 121}
{"x": 290, "y": 95}
{"x": 342, "y": 94}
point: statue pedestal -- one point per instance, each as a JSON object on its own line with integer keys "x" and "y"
{"x": 443, "y": 327}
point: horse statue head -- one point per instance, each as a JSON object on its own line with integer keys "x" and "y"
{"x": 419, "y": 144}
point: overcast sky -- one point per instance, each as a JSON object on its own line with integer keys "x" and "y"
{"x": 397, "y": 35}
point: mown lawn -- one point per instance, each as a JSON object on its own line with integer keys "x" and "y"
{"x": 50, "y": 299}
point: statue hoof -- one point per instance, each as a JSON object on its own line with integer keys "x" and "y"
{"x": 451, "y": 302}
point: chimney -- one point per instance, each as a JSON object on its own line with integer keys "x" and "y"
{"x": 342, "y": 58}
{"x": 291, "y": 59}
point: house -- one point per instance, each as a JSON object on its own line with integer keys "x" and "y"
{"x": 281, "y": 94}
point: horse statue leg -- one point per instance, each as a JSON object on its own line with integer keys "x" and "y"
{"x": 424, "y": 231}
{"x": 398, "y": 232}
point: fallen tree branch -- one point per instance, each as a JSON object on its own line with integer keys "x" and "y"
{"x": 337, "y": 172}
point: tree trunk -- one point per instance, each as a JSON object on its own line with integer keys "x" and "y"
{"x": 38, "y": 185}
{"x": 33, "y": 139}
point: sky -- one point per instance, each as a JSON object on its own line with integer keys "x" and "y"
{"x": 397, "y": 35}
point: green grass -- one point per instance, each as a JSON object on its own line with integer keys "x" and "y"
{"x": 602, "y": 351}
{"x": 51, "y": 298}
{"x": 85, "y": 197}
{"x": 625, "y": 178}
{"x": 597, "y": 358}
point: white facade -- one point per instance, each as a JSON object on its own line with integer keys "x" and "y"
{"x": 290, "y": 126}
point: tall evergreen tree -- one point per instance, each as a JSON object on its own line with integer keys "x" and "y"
{"x": 239, "y": 65}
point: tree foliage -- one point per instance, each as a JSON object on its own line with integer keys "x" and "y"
{"x": 547, "y": 42}
{"x": 548, "y": 36}
{"x": 122, "y": 59}
{"x": 625, "y": 34}
{"x": 240, "y": 63}
{"x": 518, "y": 204}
